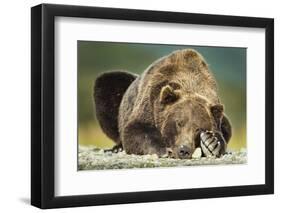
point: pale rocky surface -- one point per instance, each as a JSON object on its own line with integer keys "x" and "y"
{"x": 91, "y": 158}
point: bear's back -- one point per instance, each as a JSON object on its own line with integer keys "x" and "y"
{"x": 183, "y": 69}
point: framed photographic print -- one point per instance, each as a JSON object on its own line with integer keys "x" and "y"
{"x": 140, "y": 106}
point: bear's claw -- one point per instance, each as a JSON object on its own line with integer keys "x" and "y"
{"x": 210, "y": 144}
{"x": 115, "y": 149}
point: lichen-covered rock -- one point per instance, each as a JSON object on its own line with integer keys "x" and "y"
{"x": 197, "y": 153}
{"x": 91, "y": 158}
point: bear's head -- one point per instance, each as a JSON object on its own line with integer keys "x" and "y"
{"x": 181, "y": 117}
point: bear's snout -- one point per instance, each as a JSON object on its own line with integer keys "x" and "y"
{"x": 184, "y": 152}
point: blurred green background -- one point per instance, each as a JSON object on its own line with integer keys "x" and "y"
{"x": 227, "y": 64}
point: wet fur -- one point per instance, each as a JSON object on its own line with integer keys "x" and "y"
{"x": 129, "y": 107}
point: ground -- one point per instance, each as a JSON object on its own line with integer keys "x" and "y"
{"x": 94, "y": 158}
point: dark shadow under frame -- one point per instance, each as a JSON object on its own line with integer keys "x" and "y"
{"x": 43, "y": 105}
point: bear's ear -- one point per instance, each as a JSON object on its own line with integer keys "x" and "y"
{"x": 217, "y": 112}
{"x": 168, "y": 95}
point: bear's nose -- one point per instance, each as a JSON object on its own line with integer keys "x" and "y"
{"x": 184, "y": 152}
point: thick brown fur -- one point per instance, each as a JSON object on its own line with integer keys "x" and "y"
{"x": 108, "y": 93}
{"x": 167, "y": 106}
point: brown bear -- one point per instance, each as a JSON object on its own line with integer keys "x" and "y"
{"x": 171, "y": 109}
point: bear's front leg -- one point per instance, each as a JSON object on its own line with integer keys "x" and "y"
{"x": 143, "y": 139}
{"x": 212, "y": 143}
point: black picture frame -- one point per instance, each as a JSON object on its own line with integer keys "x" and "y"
{"x": 43, "y": 102}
